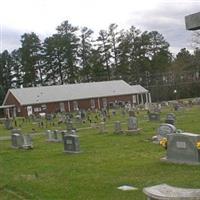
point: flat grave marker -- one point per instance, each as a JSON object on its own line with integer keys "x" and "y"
{"x": 167, "y": 192}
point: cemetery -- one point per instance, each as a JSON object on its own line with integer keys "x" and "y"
{"x": 73, "y": 159}
{"x": 51, "y": 151}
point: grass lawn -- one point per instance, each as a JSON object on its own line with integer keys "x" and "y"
{"x": 107, "y": 161}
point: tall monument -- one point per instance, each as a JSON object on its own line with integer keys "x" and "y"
{"x": 192, "y": 21}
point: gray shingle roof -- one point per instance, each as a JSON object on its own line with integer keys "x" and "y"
{"x": 45, "y": 94}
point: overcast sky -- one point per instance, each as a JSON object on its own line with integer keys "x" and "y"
{"x": 43, "y": 16}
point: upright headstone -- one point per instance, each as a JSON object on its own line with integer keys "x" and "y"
{"x": 154, "y": 116}
{"x": 57, "y": 136}
{"x": 49, "y": 117}
{"x": 131, "y": 113}
{"x": 192, "y": 21}
{"x": 8, "y": 123}
{"x": 102, "y": 127}
{"x": 54, "y": 136}
{"x": 170, "y": 118}
{"x": 113, "y": 112}
{"x": 50, "y": 136}
{"x": 69, "y": 125}
{"x": 16, "y": 131}
{"x": 17, "y": 140}
{"x": 27, "y": 142}
{"x": 132, "y": 126}
{"x": 132, "y": 123}
{"x": 162, "y": 132}
{"x": 117, "y": 127}
{"x": 183, "y": 148}
{"x": 71, "y": 144}
{"x": 21, "y": 141}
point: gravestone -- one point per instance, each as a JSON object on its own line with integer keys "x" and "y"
{"x": 102, "y": 127}
{"x": 123, "y": 112}
{"x": 71, "y": 144}
{"x": 182, "y": 148}
{"x": 157, "y": 109}
{"x": 16, "y": 131}
{"x": 27, "y": 142}
{"x": 57, "y": 136}
{"x": 117, "y": 127}
{"x": 50, "y": 137}
{"x": 69, "y": 125}
{"x": 113, "y": 112}
{"x": 192, "y": 21}
{"x": 63, "y": 133}
{"x": 73, "y": 132}
{"x": 21, "y": 141}
{"x": 54, "y": 136}
{"x": 49, "y": 117}
{"x": 132, "y": 123}
{"x": 154, "y": 116}
{"x": 131, "y": 113}
{"x": 132, "y": 126}
{"x": 17, "y": 140}
{"x": 162, "y": 132}
{"x": 78, "y": 118}
{"x": 177, "y": 107}
{"x": 167, "y": 192}
{"x": 8, "y": 123}
{"x": 170, "y": 118}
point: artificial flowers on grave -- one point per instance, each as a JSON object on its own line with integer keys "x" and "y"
{"x": 163, "y": 142}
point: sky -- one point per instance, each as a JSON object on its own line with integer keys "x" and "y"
{"x": 43, "y": 16}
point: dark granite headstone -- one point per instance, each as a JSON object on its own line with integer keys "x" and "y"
{"x": 71, "y": 144}
{"x": 170, "y": 118}
{"x": 154, "y": 116}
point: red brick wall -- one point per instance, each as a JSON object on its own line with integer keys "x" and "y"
{"x": 11, "y": 100}
{"x": 55, "y": 106}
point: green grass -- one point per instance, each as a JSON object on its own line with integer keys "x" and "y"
{"x": 107, "y": 161}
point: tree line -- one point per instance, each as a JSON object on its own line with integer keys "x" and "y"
{"x": 73, "y": 55}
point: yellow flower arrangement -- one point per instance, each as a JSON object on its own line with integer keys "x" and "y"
{"x": 198, "y": 145}
{"x": 163, "y": 143}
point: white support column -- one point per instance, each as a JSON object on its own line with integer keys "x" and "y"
{"x": 99, "y": 106}
{"x": 142, "y": 99}
{"x": 69, "y": 108}
{"x": 8, "y": 113}
{"x": 149, "y": 97}
{"x": 146, "y": 96}
{"x": 137, "y": 99}
{"x": 14, "y": 112}
{"x": 146, "y": 101}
